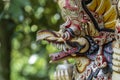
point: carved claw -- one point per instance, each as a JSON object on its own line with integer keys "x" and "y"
{"x": 63, "y": 71}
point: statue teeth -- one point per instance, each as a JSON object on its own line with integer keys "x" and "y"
{"x": 54, "y": 44}
{"x": 64, "y": 48}
{"x": 57, "y": 45}
{"x": 61, "y": 46}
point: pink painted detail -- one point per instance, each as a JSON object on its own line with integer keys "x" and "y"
{"x": 68, "y": 6}
{"x": 118, "y": 29}
{"x": 84, "y": 20}
{"x": 70, "y": 24}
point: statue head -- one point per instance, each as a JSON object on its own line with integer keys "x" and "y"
{"x": 69, "y": 48}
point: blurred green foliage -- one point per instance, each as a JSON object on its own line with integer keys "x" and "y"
{"x": 29, "y": 59}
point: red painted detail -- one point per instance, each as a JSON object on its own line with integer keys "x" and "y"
{"x": 84, "y": 18}
{"x": 62, "y": 54}
{"x": 69, "y": 24}
{"x": 100, "y": 59}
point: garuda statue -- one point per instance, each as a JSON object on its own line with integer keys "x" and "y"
{"x": 91, "y": 36}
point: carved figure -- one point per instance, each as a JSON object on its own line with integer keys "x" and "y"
{"x": 91, "y": 36}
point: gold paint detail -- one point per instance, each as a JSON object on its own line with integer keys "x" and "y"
{"x": 107, "y": 10}
{"x": 82, "y": 63}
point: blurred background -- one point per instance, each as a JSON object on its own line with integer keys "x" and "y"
{"x": 21, "y": 57}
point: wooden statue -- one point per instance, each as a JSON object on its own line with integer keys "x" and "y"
{"x": 91, "y": 36}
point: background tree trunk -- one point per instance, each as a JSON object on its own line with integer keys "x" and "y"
{"x": 5, "y": 49}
